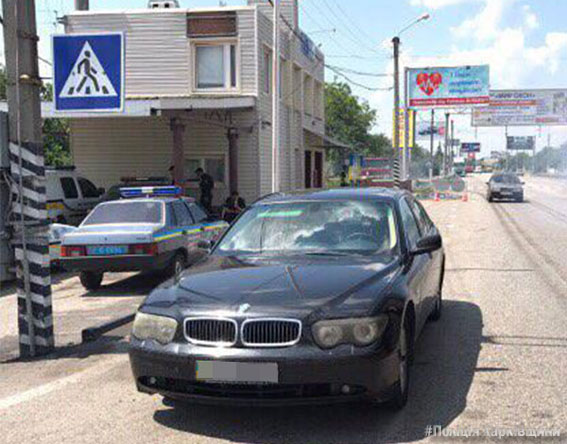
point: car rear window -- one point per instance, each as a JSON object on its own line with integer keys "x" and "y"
{"x": 509, "y": 179}
{"x": 126, "y": 212}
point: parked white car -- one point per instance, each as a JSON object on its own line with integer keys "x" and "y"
{"x": 70, "y": 196}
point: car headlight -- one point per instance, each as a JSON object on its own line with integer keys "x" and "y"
{"x": 159, "y": 328}
{"x": 356, "y": 331}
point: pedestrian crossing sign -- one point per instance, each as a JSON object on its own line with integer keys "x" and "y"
{"x": 88, "y": 72}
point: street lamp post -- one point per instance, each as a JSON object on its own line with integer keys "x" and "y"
{"x": 396, "y": 140}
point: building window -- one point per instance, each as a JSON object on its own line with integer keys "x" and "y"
{"x": 267, "y": 72}
{"x": 216, "y": 66}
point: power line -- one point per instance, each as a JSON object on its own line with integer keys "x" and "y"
{"x": 358, "y": 73}
{"x": 356, "y": 25}
{"x": 318, "y": 24}
{"x": 321, "y": 60}
{"x": 356, "y": 37}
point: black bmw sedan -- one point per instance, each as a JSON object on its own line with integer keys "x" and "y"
{"x": 314, "y": 297}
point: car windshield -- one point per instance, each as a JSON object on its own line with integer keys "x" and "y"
{"x": 334, "y": 227}
{"x": 508, "y": 179}
{"x": 126, "y": 213}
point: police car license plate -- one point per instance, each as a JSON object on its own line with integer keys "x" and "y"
{"x": 237, "y": 372}
{"x": 107, "y": 250}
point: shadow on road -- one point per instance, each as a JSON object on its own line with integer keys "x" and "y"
{"x": 137, "y": 285}
{"x": 445, "y": 364}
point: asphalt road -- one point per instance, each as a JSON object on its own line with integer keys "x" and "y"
{"x": 497, "y": 360}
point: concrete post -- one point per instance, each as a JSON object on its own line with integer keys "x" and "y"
{"x": 178, "y": 150}
{"x": 233, "y": 159}
{"x": 29, "y": 214}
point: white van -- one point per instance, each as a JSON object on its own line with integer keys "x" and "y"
{"x": 70, "y": 197}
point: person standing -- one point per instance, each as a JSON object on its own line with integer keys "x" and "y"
{"x": 206, "y": 185}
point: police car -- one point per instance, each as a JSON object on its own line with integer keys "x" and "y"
{"x": 150, "y": 228}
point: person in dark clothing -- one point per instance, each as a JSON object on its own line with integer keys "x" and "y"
{"x": 206, "y": 185}
{"x": 233, "y": 206}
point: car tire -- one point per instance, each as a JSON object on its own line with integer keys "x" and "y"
{"x": 438, "y": 309}
{"x": 400, "y": 392}
{"x": 435, "y": 315}
{"x": 91, "y": 280}
{"x": 177, "y": 264}
{"x": 520, "y": 199}
{"x": 490, "y": 198}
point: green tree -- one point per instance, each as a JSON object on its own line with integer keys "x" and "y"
{"x": 55, "y": 131}
{"x": 350, "y": 120}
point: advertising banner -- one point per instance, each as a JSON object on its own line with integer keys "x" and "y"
{"x": 472, "y": 147}
{"x": 447, "y": 87}
{"x": 424, "y": 130}
{"x": 516, "y": 143}
{"x": 403, "y": 126}
{"x": 529, "y": 107}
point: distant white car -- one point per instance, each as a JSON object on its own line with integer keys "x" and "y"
{"x": 505, "y": 186}
{"x": 70, "y": 197}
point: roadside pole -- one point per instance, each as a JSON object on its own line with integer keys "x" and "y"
{"x": 82, "y": 5}
{"x": 431, "y": 142}
{"x": 446, "y": 152}
{"x": 276, "y": 99}
{"x": 406, "y": 150}
{"x": 396, "y": 141}
{"x": 29, "y": 215}
{"x": 451, "y": 154}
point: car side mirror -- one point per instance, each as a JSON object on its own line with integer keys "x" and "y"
{"x": 427, "y": 244}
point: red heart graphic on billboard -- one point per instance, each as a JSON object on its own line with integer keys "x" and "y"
{"x": 429, "y": 83}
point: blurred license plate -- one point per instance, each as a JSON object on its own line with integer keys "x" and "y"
{"x": 506, "y": 193}
{"x": 107, "y": 250}
{"x": 237, "y": 372}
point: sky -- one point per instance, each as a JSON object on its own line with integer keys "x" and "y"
{"x": 523, "y": 41}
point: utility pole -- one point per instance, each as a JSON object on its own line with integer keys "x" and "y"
{"x": 451, "y": 155}
{"x": 396, "y": 141}
{"x": 431, "y": 142}
{"x": 82, "y": 5}
{"x": 276, "y": 100}
{"x": 446, "y": 153}
{"x": 29, "y": 215}
{"x": 406, "y": 150}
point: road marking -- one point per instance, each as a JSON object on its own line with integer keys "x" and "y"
{"x": 45, "y": 389}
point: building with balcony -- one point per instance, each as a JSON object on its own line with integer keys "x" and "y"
{"x": 198, "y": 92}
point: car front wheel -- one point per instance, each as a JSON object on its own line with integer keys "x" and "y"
{"x": 91, "y": 280}
{"x": 400, "y": 394}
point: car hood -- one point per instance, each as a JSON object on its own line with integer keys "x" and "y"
{"x": 279, "y": 287}
{"x": 111, "y": 234}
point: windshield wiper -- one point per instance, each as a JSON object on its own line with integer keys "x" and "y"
{"x": 325, "y": 253}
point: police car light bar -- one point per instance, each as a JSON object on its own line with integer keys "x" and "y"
{"x": 170, "y": 191}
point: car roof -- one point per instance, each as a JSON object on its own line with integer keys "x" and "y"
{"x": 142, "y": 199}
{"x": 374, "y": 193}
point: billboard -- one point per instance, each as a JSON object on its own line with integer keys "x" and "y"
{"x": 424, "y": 130}
{"x": 526, "y": 107}
{"x": 447, "y": 87}
{"x": 517, "y": 143}
{"x": 470, "y": 147}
